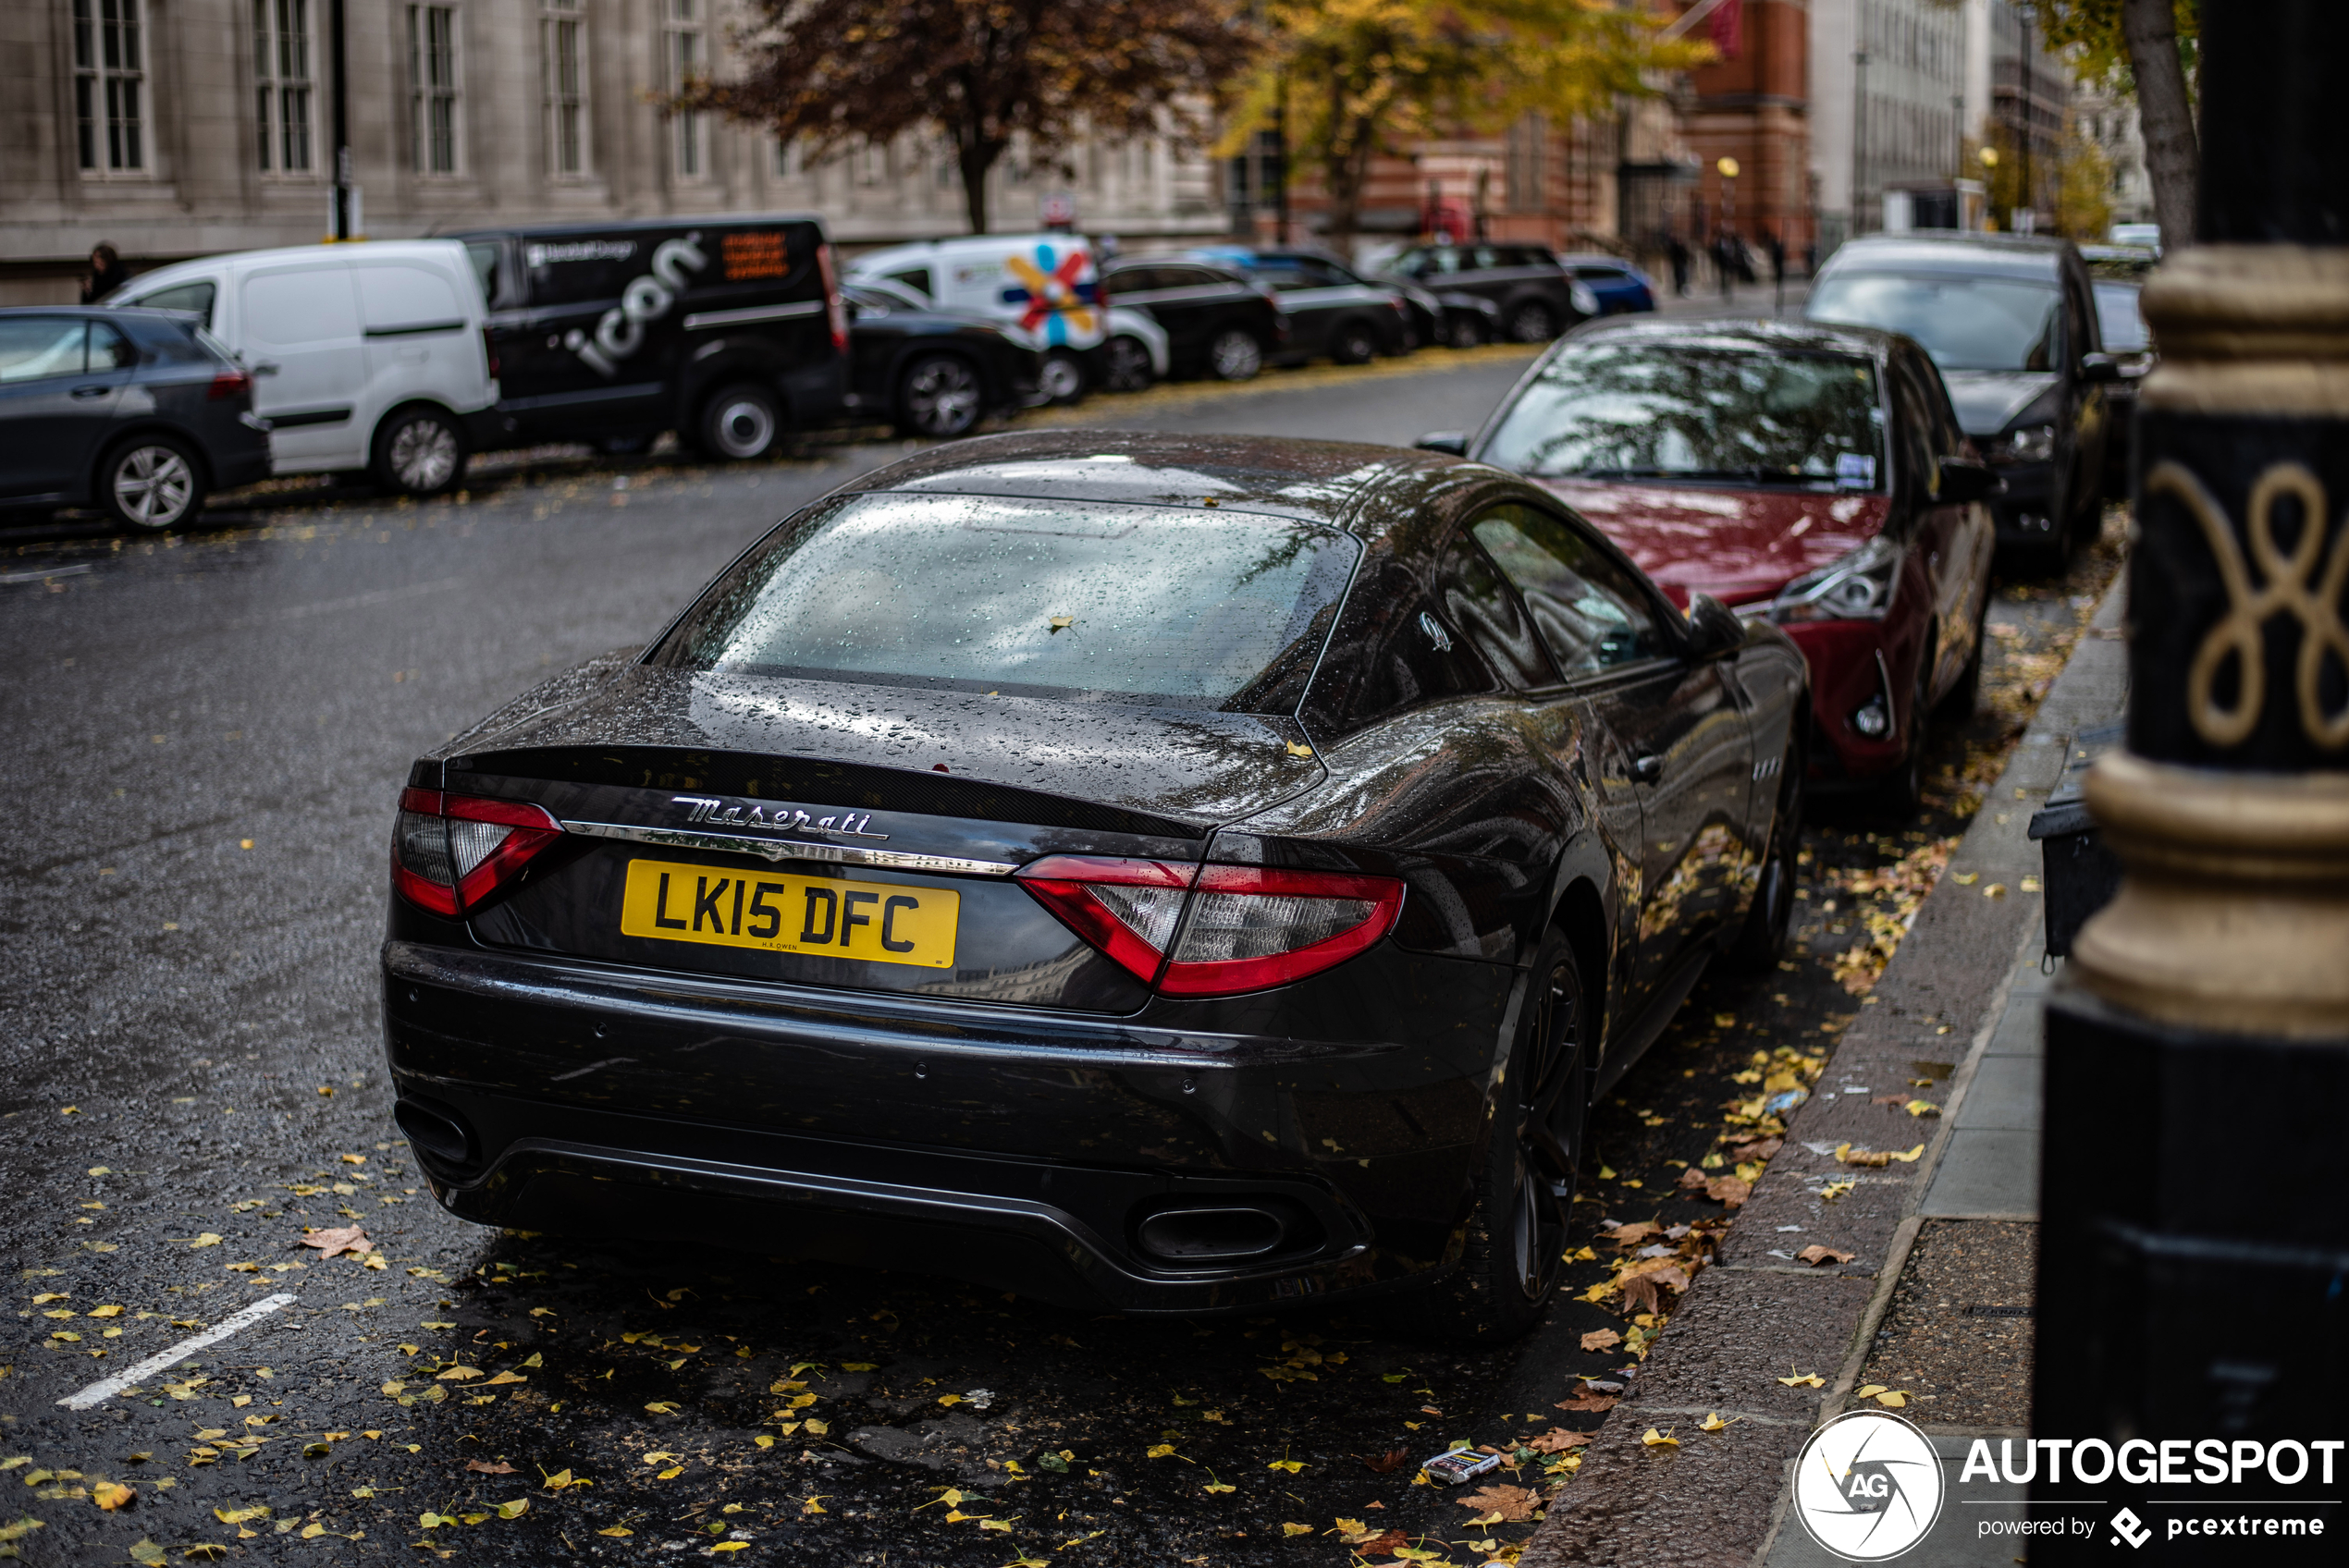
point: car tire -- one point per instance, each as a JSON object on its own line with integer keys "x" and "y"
{"x": 1353, "y": 343}
{"x": 1761, "y": 941}
{"x": 1465, "y": 331}
{"x": 940, "y": 397}
{"x": 1531, "y": 321}
{"x": 1125, "y": 365}
{"x": 1525, "y": 1184}
{"x": 1236, "y": 355}
{"x": 1958, "y": 702}
{"x": 150, "y": 483}
{"x": 740, "y": 423}
{"x": 1062, "y": 378}
{"x": 419, "y": 451}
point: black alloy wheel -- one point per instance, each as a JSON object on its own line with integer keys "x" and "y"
{"x": 419, "y": 451}
{"x": 741, "y": 422}
{"x": 1464, "y": 332}
{"x": 1762, "y": 941}
{"x": 1515, "y": 1243}
{"x": 1236, "y": 355}
{"x": 939, "y": 397}
{"x": 1354, "y": 343}
{"x": 1531, "y": 322}
{"x": 150, "y": 483}
{"x": 1125, "y": 365}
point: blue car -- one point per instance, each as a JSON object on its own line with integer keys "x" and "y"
{"x": 1621, "y": 287}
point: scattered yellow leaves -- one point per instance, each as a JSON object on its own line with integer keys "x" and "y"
{"x": 1289, "y": 1528}
{"x": 1805, "y": 1381}
{"x": 111, "y": 1495}
{"x": 1712, "y": 1422}
{"x": 209, "y": 1239}
{"x": 1875, "y": 1159}
{"x": 1654, "y": 1438}
{"x": 1601, "y": 1338}
{"x": 1891, "y": 1399}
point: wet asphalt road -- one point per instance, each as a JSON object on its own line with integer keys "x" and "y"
{"x": 206, "y": 735}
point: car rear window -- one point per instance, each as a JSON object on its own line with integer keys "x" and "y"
{"x": 196, "y": 297}
{"x": 1964, "y": 322}
{"x": 1159, "y": 605}
{"x": 1663, "y": 412}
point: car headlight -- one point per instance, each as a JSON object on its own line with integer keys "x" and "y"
{"x": 1857, "y": 586}
{"x": 2032, "y": 444}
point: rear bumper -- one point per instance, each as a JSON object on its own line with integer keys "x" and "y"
{"x": 956, "y": 1147}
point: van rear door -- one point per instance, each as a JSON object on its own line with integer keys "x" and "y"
{"x": 298, "y": 324}
{"x": 421, "y": 336}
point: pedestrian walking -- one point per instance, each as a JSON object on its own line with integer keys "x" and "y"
{"x": 106, "y": 274}
{"x": 1725, "y": 262}
{"x": 1676, "y": 251}
{"x": 1775, "y": 249}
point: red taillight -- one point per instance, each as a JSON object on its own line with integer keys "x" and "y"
{"x": 228, "y": 384}
{"x": 489, "y": 353}
{"x": 834, "y": 306}
{"x": 449, "y": 853}
{"x": 1231, "y": 928}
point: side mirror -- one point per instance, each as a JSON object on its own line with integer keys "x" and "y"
{"x": 1714, "y": 628}
{"x": 2099, "y": 368}
{"x": 1965, "y": 479}
{"x": 1452, "y": 441}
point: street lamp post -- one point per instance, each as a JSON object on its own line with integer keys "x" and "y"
{"x": 2198, "y": 1056}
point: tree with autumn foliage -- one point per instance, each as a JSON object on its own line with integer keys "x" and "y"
{"x": 2147, "y": 48}
{"x": 833, "y": 73}
{"x": 1365, "y": 77}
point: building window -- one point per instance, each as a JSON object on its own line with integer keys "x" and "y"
{"x": 109, "y": 85}
{"x": 432, "y": 87}
{"x": 281, "y": 83}
{"x": 563, "y": 41}
{"x": 685, "y": 63}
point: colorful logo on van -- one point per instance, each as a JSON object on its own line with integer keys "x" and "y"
{"x": 619, "y": 332}
{"x": 1061, "y": 297}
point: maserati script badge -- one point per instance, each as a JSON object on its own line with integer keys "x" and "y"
{"x": 779, "y": 818}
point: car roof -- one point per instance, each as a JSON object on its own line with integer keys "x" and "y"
{"x": 1994, "y": 256}
{"x": 1321, "y": 482}
{"x": 1769, "y": 337}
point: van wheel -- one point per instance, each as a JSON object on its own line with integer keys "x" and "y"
{"x": 1125, "y": 365}
{"x": 419, "y": 452}
{"x": 939, "y": 397}
{"x": 150, "y": 483}
{"x": 1464, "y": 332}
{"x": 1062, "y": 378}
{"x": 1236, "y": 355}
{"x": 739, "y": 424}
{"x": 1354, "y": 344}
{"x": 1512, "y": 1262}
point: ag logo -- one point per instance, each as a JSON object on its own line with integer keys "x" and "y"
{"x": 1868, "y": 1486}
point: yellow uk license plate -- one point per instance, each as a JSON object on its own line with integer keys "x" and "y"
{"x": 878, "y": 922}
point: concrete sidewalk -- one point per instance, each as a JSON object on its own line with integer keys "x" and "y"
{"x": 1936, "y": 1299}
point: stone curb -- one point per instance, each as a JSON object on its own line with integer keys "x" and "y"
{"x": 1753, "y": 1317}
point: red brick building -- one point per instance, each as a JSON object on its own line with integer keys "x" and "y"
{"x": 1753, "y": 106}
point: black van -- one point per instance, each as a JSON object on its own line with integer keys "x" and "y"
{"x": 729, "y": 331}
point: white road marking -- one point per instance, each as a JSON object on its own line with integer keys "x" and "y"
{"x": 105, "y": 1386}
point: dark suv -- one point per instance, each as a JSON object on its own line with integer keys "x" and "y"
{"x": 2012, "y": 322}
{"x": 1538, "y": 297}
{"x": 1219, "y": 321}
{"x": 729, "y": 331}
{"x": 137, "y": 411}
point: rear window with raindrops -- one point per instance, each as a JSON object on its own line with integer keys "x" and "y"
{"x": 1167, "y": 606}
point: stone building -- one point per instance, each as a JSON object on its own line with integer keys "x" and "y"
{"x": 182, "y": 128}
{"x": 1753, "y": 107}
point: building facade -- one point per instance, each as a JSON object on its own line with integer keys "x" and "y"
{"x": 1753, "y": 108}
{"x": 182, "y": 128}
{"x": 2109, "y": 120}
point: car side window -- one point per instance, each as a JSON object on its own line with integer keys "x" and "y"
{"x": 1591, "y": 613}
{"x": 1391, "y": 653}
{"x": 1949, "y": 436}
{"x": 33, "y": 347}
{"x": 1478, "y": 602}
{"x": 1912, "y": 442}
{"x": 109, "y": 350}
{"x": 196, "y": 297}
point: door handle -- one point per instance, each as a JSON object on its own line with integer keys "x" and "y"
{"x": 266, "y": 367}
{"x": 88, "y": 392}
{"x": 1647, "y": 769}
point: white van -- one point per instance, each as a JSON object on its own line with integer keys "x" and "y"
{"x": 369, "y": 356}
{"x": 1048, "y": 285}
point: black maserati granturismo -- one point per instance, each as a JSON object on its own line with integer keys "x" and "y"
{"x": 1172, "y": 874}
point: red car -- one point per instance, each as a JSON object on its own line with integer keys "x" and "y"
{"x": 1815, "y": 475}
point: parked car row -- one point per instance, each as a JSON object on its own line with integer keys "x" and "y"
{"x": 400, "y": 359}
